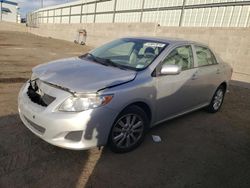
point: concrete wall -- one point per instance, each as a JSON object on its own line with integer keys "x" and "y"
{"x": 232, "y": 44}
{"x": 7, "y": 26}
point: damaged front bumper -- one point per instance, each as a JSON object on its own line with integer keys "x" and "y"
{"x": 71, "y": 130}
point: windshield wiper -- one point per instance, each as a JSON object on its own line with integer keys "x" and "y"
{"x": 111, "y": 63}
{"x": 106, "y": 61}
{"x": 96, "y": 59}
{"x": 91, "y": 55}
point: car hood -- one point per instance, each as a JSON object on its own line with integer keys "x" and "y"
{"x": 79, "y": 75}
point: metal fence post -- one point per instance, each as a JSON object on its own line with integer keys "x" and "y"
{"x": 61, "y": 16}
{"x": 248, "y": 21}
{"x": 54, "y": 16}
{"x": 182, "y": 13}
{"x": 143, "y": 3}
{"x": 70, "y": 14}
{"x": 114, "y": 11}
{"x": 95, "y": 11}
{"x": 81, "y": 13}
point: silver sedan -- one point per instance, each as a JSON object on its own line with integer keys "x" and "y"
{"x": 116, "y": 92}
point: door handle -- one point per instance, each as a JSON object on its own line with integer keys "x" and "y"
{"x": 194, "y": 76}
{"x": 218, "y": 71}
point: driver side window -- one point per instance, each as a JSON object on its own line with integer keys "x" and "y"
{"x": 182, "y": 56}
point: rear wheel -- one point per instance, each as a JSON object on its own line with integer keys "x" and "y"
{"x": 217, "y": 100}
{"x": 128, "y": 131}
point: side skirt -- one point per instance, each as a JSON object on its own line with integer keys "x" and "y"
{"x": 180, "y": 114}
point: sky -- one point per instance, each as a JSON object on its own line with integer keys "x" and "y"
{"x": 30, "y": 5}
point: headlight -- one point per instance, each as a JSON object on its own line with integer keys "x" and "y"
{"x": 81, "y": 103}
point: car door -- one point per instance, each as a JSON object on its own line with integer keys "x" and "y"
{"x": 208, "y": 73}
{"x": 176, "y": 94}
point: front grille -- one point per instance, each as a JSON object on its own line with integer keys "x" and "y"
{"x": 36, "y": 97}
{"x": 38, "y": 128}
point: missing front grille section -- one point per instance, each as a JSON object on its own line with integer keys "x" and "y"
{"x": 43, "y": 100}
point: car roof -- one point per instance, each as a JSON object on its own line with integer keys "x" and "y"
{"x": 166, "y": 40}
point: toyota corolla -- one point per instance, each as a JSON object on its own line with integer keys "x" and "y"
{"x": 115, "y": 93}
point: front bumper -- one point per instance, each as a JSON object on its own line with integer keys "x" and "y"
{"x": 71, "y": 130}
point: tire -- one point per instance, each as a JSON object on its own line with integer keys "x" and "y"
{"x": 128, "y": 130}
{"x": 217, "y": 100}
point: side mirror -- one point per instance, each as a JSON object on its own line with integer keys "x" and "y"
{"x": 170, "y": 69}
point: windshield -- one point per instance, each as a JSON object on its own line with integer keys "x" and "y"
{"x": 129, "y": 53}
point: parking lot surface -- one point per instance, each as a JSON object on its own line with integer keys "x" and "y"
{"x": 197, "y": 150}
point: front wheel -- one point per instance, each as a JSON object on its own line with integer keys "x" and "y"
{"x": 128, "y": 131}
{"x": 217, "y": 100}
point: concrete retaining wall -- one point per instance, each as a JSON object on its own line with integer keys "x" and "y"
{"x": 8, "y": 26}
{"x": 232, "y": 44}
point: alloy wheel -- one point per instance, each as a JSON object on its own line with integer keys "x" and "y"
{"x": 218, "y": 98}
{"x": 127, "y": 131}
